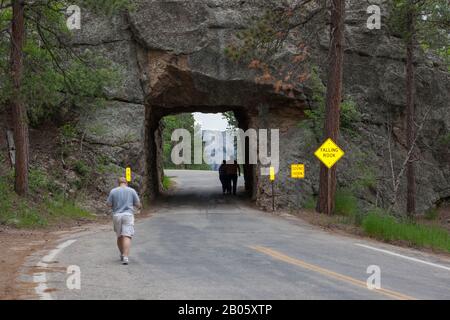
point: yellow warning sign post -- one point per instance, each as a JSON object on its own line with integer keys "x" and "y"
{"x": 298, "y": 171}
{"x": 329, "y": 153}
{"x": 272, "y": 174}
{"x": 128, "y": 174}
{"x": 272, "y": 179}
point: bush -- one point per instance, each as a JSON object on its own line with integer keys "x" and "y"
{"x": 366, "y": 177}
{"x": 167, "y": 182}
{"x": 81, "y": 168}
{"x": 385, "y": 227}
{"x": 38, "y": 180}
{"x": 346, "y": 203}
{"x": 15, "y": 210}
{"x": 349, "y": 112}
{"x": 68, "y": 132}
{"x": 26, "y": 216}
{"x": 310, "y": 203}
{"x": 59, "y": 207}
{"x": 445, "y": 139}
{"x": 432, "y": 214}
{"x": 38, "y": 211}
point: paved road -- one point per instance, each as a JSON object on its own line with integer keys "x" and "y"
{"x": 201, "y": 245}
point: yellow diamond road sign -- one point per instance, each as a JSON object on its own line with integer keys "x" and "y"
{"x": 298, "y": 171}
{"x": 329, "y": 153}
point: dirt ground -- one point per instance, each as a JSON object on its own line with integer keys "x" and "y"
{"x": 16, "y": 246}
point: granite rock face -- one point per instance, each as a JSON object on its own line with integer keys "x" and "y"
{"x": 171, "y": 57}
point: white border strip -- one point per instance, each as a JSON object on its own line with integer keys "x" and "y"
{"x": 404, "y": 257}
{"x": 40, "y": 278}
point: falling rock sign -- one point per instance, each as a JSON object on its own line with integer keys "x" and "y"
{"x": 329, "y": 153}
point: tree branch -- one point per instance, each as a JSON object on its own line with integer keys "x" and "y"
{"x": 397, "y": 179}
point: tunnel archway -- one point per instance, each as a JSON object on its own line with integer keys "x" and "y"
{"x": 172, "y": 87}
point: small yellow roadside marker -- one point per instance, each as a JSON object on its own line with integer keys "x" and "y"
{"x": 298, "y": 171}
{"x": 128, "y": 174}
{"x": 272, "y": 180}
{"x": 272, "y": 174}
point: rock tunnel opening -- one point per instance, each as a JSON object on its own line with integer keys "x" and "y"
{"x": 174, "y": 84}
{"x": 155, "y": 159}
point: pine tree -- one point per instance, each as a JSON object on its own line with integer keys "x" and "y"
{"x": 18, "y": 110}
{"x": 422, "y": 25}
{"x": 327, "y": 185}
{"x": 43, "y": 69}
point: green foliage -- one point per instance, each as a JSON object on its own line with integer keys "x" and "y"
{"x": 316, "y": 115}
{"x": 69, "y": 132}
{"x": 379, "y": 225}
{"x": 103, "y": 160}
{"x": 431, "y": 20}
{"x": 61, "y": 208}
{"x": 444, "y": 139}
{"x": 171, "y": 123}
{"x": 26, "y": 216}
{"x": 432, "y": 214}
{"x": 40, "y": 211}
{"x": 262, "y": 39}
{"x": 108, "y": 167}
{"x": 310, "y": 203}
{"x": 346, "y": 203}
{"x": 365, "y": 175}
{"x": 14, "y": 210}
{"x": 261, "y": 44}
{"x": 56, "y": 77}
{"x": 81, "y": 168}
{"x": 350, "y": 115}
{"x": 167, "y": 183}
{"x": 231, "y": 119}
{"x": 38, "y": 180}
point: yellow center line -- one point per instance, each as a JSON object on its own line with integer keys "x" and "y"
{"x": 282, "y": 257}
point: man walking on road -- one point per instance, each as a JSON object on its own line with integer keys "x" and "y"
{"x": 223, "y": 177}
{"x": 123, "y": 200}
{"x": 233, "y": 170}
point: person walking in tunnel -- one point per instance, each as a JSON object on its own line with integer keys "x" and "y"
{"x": 123, "y": 200}
{"x": 223, "y": 176}
{"x": 233, "y": 171}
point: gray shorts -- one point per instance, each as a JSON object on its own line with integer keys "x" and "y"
{"x": 124, "y": 225}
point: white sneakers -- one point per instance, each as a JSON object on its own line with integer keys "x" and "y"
{"x": 124, "y": 260}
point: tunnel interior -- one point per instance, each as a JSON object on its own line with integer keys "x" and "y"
{"x": 154, "y": 164}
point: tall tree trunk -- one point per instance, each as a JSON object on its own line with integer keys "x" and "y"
{"x": 327, "y": 186}
{"x": 18, "y": 109}
{"x": 410, "y": 111}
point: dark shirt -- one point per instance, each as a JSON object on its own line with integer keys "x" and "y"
{"x": 233, "y": 169}
{"x": 222, "y": 170}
